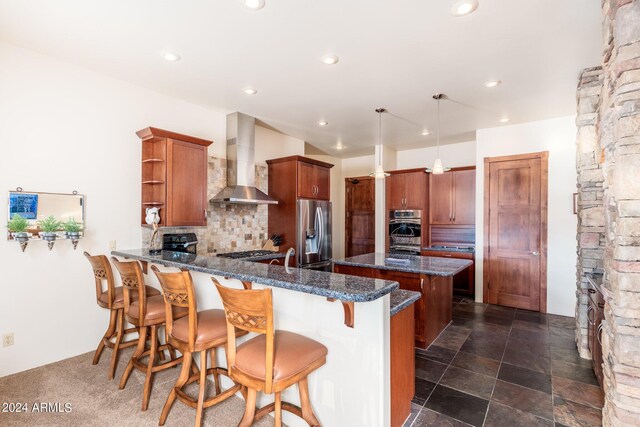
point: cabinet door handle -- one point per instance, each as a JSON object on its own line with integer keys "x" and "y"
{"x": 422, "y": 285}
{"x": 599, "y": 334}
{"x": 589, "y": 319}
{"x": 454, "y": 217}
{"x": 205, "y": 214}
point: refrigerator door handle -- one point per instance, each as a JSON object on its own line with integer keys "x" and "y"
{"x": 320, "y": 228}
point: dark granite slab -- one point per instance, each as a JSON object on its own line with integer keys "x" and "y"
{"x": 330, "y": 285}
{"x": 417, "y": 264}
{"x": 265, "y": 257}
{"x": 401, "y": 299}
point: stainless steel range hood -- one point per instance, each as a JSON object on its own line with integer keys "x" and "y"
{"x": 241, "y": 178}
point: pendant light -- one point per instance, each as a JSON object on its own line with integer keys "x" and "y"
{"x": 438, "y": 169}
{"x": 379, "y": 173}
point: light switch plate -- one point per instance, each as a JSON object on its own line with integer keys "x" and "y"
{"x": 7, "y": 340}
{"x": 112, "y": 245}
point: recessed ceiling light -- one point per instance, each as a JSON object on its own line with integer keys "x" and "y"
{"x": 464, "y": 7}
{"x": 425, "y": 132}
{"x": 170, "y": 56}
{"x": 504, "y": 120}
{"x": 339, "y": 147}
{"x": 249, "y": 91}
{"x": 330, "y": 59}
{"x": 323, "y": 123}
{"x": 254, "y": 4}
{"x": 492, "y": 83}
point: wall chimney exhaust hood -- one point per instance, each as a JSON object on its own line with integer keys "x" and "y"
{"x": 241, "y": 178}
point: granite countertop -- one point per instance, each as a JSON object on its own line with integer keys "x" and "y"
{"x": 449, "y": 249}
{"x": 401, "y": 299}
{"x": 433, "y": 266}
{"x": 272, "y": 255}
{"x": 330, "y": 285}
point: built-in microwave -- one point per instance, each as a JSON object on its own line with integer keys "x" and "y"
{"x": 405, "y": 231}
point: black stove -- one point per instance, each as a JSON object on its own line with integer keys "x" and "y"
{"x": 245, "y": 254}
{"x": 185, "y": 243}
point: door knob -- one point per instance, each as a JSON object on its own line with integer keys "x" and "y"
{"x": 534, "y": 253}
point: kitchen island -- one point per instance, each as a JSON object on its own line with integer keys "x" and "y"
{"x": 432, "y": 277}
{"x": 353, "y": 387}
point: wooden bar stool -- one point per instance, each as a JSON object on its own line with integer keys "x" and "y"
{"x": 202, "y": 332}
{"x": 112, "y": 299}
{"x": 147, "y": 312}
{"x": 270, "y": 362}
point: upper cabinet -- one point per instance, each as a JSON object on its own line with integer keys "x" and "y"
{"x": 406, "y": 190}
{"x": 174, "y": 177}
{"x": 313, "y": 180}
{"x": 453, "y": 198}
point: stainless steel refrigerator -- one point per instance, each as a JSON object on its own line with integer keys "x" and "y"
{"x": 313, "y": 245}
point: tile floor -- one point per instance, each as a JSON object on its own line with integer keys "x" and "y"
{"x": 497, "y": 366}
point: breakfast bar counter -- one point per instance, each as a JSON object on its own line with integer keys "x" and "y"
{"x": 353, "y": 387}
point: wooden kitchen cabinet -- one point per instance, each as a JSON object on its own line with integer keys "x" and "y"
{"x": 452, "y": 197}
{"x": 433, "y": 310}
{"x": 463, "y": 282}
{"x": 595, "y": 316}
{"x": 407, "y": 189}
{"x": 174, "y": 177}
{"x": 313, "y": 181}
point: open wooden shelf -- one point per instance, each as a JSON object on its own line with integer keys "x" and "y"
{"x": 152, "y": 160}
{"x": 153, "y": 203}
{"x": 153, "y": 182}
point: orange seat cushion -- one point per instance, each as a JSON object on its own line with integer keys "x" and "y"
{"x": 212, "y": 325}
{"x": 155, "y": 310}
{"x": 119, "y": 295}
{"x": 292, "y": 354}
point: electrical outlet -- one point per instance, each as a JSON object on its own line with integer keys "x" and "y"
{"x": 7, "y": 339}
{"x": 112, "y": 245}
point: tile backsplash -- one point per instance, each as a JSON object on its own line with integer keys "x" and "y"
{"x": 230, "y": 227}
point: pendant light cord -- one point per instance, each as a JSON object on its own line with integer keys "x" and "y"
{"x": 438, "y": 131}
{"x": 380, "y": 139}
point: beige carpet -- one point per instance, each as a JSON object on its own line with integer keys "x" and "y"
{"x": 96, "y": 401}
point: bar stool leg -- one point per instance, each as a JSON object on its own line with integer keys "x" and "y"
{"x": 216, "y": 375}
{"x": 116, "y": 344}
{"x": 151, "y": 363}
{"x": 172, "y": 351}
{"x": 305, "y": 403}
{"x": 278, "y": 410}
{"x": 249, "y": 409}
{"x": 142, "y": 341}
{"x": 182, "y": 380}
{"x": 113, "y": 315}
{"x": 202, "y": 386}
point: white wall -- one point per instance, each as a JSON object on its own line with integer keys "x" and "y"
{"x": 272, "y": 145}
{"x": 557, "y": 136}
{"x": 358, "y": 166}
{"x": 65, "y": 128}
{"x": 452, "y": 155}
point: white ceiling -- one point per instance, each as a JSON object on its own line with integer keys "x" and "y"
{"x": 393, "y": 53}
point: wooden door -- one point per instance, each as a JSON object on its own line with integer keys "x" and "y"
{"x": 306, "y": 181}
{"x": 515, "y": 231}
{"x": 360, "y": 236}
{"x": 395, "y": 191}
{"x": 321, "y": 179}
{"x": 464, "y": 197}
{"x": 186, "y": 184}
{"x": 440, "y": 203}
{"x": 415, "y": 189}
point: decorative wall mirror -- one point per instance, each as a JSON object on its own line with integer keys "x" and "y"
{"x": 44, "y": 216}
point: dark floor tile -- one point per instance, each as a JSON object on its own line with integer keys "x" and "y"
{"x": 461, "y": 406}
{"x": 578, "y": 392}
{"x": 468, "y": 382}
{"x": 573, "y": 372}
{"x": 429, "y": 418}
{"x": 475, "y": 363}
{"x": 561, "y": 321}
{"x": 439, "y": 354}
{"x": 529, "y": 326}
{"x": 423, "y": 390}
{"x": 415, "y": 410}
{"x": 429, "y": 369}
{"x": 452, "y": 337}
{"x": 499, "y": 311}
{"x": 575, "y": 414}
{"x": 500, "y": 415}
{"x": 496, "y": 320}
{"x": 532, "y": 317}
{"x": 528, "y": 355}
{"x": 525, "y": 377}
{"x": 562, "y": 337}
{"x": 468, "y": 306}
{"x": 539, "y": 337}
{"x": 492, "y": 349}
{"x": 525, "y": 399}
{"x": 569, "y": 355}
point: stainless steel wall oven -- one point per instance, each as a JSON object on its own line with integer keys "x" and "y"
{"x": 405, "y": 231}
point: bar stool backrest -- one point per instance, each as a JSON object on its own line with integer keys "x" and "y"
{"x": 178, "y": 291}
{"x": 249, "y": 310}
{"x": 102, "y": 272}
{"x": 132, "y": 282}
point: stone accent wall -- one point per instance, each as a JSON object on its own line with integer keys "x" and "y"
{"x": 619, "y": 135}
{"x": 230, "y": 227}
{"x": 590, "y": 207}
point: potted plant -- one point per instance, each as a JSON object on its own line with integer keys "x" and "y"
{"x": 49, "y": 226}
{"x": 18, "y": 225}
{"x": 72, "y": 228}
